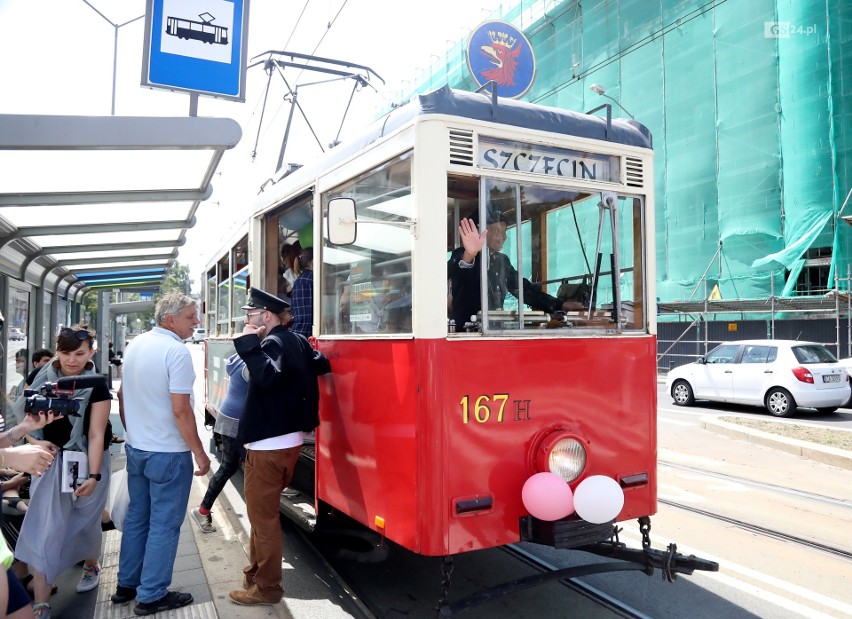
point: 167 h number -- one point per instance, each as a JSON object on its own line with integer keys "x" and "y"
{"x": 483, "y": 407}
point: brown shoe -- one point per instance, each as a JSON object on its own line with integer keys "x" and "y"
{"x": 253, "y": 597}
{"x": 248, "y": 581}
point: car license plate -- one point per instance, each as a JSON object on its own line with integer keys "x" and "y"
{"x": 831, "y": 378}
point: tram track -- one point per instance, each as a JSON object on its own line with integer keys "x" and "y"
{"x": 759, "y": 484}
{"x": 757, "y": 528}
{"x": 361, "y": 609}
{"x": 408, "y": 585}
{"x": 579, "y": 586}
{"x": 761, "y": 530}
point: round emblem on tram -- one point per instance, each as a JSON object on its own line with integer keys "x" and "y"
{"x": 500, "y": 53}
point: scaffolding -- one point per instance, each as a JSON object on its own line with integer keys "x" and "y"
{"x": 825, "y": 318}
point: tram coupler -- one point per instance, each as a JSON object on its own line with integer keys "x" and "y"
{"x": 669, "y": 561}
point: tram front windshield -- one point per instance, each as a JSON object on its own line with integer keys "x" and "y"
{"x": 552, "y": 259}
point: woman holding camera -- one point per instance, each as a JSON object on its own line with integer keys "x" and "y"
{"x": 69, "y": 517}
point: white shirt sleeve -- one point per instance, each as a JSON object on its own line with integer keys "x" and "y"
{"x": 181, "y": 372}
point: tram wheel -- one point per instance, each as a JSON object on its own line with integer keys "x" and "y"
{"x": 682, "y": 393}
{"x": 780, "y": 402}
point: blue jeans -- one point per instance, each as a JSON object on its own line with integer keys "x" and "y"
{"x": 158, "y": 484}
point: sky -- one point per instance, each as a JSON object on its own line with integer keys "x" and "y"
{"x": 56, "y": 57}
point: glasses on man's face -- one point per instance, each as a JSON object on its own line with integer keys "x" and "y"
{"x": 80, "y": 334}
{"x": 250, "y": 314}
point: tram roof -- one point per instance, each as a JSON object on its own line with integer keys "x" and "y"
{"x": 102, "y": 202}
{"x": 478, "y": 106}
{"x": 475, "y": 106}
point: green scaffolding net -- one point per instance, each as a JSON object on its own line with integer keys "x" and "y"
{"x": 750, "y": 106}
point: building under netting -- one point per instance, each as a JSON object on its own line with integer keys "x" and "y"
{"x": 750, "y": 106}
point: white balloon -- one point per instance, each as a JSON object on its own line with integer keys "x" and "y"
{"x": 598, "y": 499}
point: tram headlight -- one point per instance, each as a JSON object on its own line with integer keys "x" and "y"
{"x": 564, "y": 456}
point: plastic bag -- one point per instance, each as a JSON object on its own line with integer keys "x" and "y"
{"x": 119, "y": 498}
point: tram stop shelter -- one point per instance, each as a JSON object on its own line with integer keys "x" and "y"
{"x": 94, "y": 204}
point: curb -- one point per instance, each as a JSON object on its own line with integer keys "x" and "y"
{"x": 840, "y": 458}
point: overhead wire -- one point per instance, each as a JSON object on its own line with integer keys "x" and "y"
{"x": 262, "y": 132}
{"x": 296, "y": 25}
{"x": 329, "y": 25}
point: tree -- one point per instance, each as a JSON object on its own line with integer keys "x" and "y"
{"x": 177, "y": 278}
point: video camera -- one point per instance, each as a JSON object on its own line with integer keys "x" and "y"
{"x": 57, "y": 397}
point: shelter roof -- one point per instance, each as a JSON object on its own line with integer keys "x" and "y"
{"x": 102, "y": 201}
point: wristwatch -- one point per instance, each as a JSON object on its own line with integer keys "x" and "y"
{"x": 95, "y": 476}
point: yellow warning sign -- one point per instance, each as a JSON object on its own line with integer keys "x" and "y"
{"x": 715, "y": 294}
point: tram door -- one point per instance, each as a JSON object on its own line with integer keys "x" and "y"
{"x": 287, "y": 233}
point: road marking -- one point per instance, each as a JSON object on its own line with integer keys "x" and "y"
{"x": 677, "y": 422}
{"x": 682, "y": 411}
{"x": 726, "y": 567}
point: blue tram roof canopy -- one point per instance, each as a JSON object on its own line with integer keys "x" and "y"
{"x": 477, "y": 106}
{"x": 521, "y": 114}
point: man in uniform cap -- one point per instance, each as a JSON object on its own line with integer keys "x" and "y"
{"x": 463, "y": 272}
{"x": 281, "y": 405}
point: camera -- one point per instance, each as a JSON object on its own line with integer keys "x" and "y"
{"x": 58, "y": 396}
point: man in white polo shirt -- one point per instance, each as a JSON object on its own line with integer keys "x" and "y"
{"x": 155, "y": 402}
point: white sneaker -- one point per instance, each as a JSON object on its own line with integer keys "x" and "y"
{"x": 205, "y": 523}
{"x": 289, "y": 493}
{"x": 89, "y": 580}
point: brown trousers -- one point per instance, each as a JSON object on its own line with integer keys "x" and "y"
{"x": 267, "y": 473}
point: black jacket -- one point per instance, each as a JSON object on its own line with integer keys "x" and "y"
{"x": 283, "y": 394}
{"x": 502, "y": 279}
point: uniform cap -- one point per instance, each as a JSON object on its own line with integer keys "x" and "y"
{"x": 260, "y": 299}
{"x": 493, "y": 215}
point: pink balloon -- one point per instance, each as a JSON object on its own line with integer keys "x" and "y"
{"x": 547, "y": 497}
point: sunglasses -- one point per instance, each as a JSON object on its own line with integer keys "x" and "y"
{"x": 80, "y": 334}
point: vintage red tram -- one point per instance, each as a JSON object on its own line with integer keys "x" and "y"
{"x": 432, "y": 428}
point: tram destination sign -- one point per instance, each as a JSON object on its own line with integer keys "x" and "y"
{"x": 196, "y": 46}
{"x": 544, "y": 161}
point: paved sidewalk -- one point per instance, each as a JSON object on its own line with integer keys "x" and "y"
{"x": 208, "y": 566}
{"x": 840, "y": 458}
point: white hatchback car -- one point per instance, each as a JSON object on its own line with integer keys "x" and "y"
{"x": 778, "y": 374}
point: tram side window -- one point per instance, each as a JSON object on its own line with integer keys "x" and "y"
{"x": 553, "y": 258}
{"x": 223, "y": 291}
{"x": 366, "y": 287}
{"x": 211, "y": 306}
{"x": 240, "y": 283}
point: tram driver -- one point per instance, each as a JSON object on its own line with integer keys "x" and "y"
{"x": 463, "y": 272}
